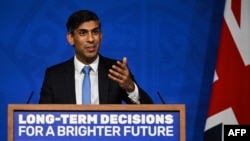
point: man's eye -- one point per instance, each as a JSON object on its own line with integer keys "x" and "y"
{"x": 82, "y": 33}
{"x": 96, "y": 32}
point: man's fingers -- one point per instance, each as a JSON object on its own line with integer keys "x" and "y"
{"x": 124, "y": 60}
{"x": 117, "y": 69}
{"x": 115, "y": 76}
{"x": 122, "y": 64}
{"x": 115, "y": 73}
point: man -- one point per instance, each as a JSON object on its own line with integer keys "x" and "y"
{"x": 110, "y": 80}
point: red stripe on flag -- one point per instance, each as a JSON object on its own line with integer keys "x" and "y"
{"x": 236, "y": 7}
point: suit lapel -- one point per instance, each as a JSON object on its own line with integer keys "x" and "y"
{"x": 70, "y": 81}
{"x": 103, "y": 81}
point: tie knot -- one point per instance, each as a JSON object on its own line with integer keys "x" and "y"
{"x": 86, "y": 69}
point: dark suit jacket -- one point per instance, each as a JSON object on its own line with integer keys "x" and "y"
{"x": 59, "y": 85}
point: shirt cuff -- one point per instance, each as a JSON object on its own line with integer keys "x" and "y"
{"x": 134, "y": 95}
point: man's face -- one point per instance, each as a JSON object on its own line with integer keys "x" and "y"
{"x": 86, "y": 41}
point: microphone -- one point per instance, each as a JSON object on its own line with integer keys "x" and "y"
{"x": 31, "y": 94}
{"x": 163, "y": 102}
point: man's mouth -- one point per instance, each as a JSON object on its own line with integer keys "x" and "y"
{"x": 90, "y": 48}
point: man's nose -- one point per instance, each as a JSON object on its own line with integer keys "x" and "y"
{"x": 90, "y": 37}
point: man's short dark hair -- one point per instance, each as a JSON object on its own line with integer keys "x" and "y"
{"x": 79, "y": 17}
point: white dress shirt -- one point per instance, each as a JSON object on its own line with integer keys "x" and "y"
{"x": 79, "y": 75}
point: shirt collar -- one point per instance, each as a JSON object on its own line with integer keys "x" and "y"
{"x": 79, "y": 65}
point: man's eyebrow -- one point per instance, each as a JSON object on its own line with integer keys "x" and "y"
{"x": 83, "y": 29}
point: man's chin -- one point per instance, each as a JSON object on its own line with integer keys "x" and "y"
{"x": 91, "y": 57}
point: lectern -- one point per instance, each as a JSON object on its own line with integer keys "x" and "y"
{"x": 54, "y": 122}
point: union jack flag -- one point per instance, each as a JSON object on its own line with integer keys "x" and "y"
{"x": 230, "y": 99}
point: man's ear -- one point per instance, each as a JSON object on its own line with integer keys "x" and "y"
{"x": 70, "y": 39}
